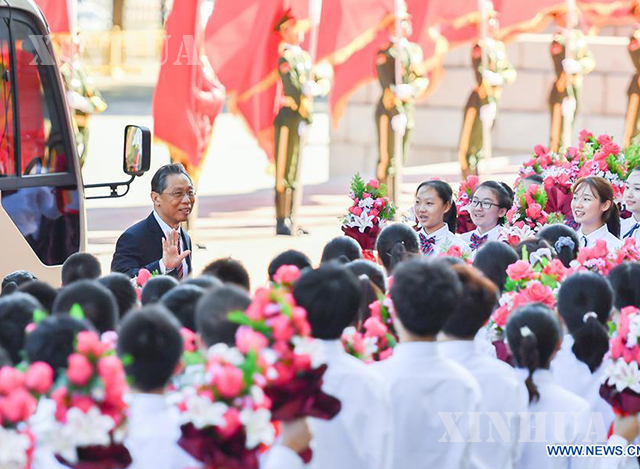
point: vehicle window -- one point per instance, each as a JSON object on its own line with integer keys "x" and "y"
{"x": 41, "y": 142}
{"x": 7, "y": 132}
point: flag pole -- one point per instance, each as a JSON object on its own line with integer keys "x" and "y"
{"x": 567, "y": 129}
{"x": 398, "y": 160}
{"x": 487, "y": 124}
{"x": 315, "y": 12}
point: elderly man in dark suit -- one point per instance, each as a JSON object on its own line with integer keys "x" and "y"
{"x": 158, "y": 243}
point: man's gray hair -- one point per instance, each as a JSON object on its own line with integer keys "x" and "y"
{"x": 159, "y": 180}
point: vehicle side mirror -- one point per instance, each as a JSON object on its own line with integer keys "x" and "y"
{"x": 137, "y": 150}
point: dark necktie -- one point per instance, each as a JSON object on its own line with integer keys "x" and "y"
{"x": 477, "y": 241}
{"x": 585, "y": 241}
{"x": 179, "y": 269}
{"x": 427, "y": 244}
{"x": 632, "y": 231}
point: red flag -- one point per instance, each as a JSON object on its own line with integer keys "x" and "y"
{"x": 60, "y": 15}
{"x": 600, "y": 13}
{"x": 517, "y": 17}
{"x": 186, "y": 99}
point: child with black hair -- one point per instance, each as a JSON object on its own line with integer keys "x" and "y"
{"x": 488, "y": 207}
{"x": 396, "y": 243}
{"x": 12, "y": 281}
{"x": 502, "y": 391}
{"x": 212, "y": 324}
{"x": 435, "y": 210}
{"x": 564, "y": 241}
{"x": 150, "y": 340}
{"x": 625, "y": 281}
{"x": 534, "y": 336}
{"x": 123, "y": 290}
{"x": 585, "y": 301}
{"x": 229, "y": 270}
{"x": 355, "y": 438}
{"x": 342, "y": 248}
{"x": 289, "y": 257}
{"x": 16, "y": 313}
{"x": 181, "y": 302}
{"x": 80, "y": 266}
{"x": 156, "y": 287}
{"x": 370, "y": 269}
{"x": 423, "y": 384}
{"x": 536, "y": 249}
{"x": 41, "y": 291}
{"x": 97, "y": 302}
{"x": 206, "y": 282}
{"x": 492, "y": 259}
{"x": 594, "y": 207}
{"x": 630, "y": 227}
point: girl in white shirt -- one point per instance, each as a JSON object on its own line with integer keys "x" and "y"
{"x": 594, "y": 207}
{"x": 585, "y": 301}
{"x": 630, "y": 227}
{"x": 488, "y": 206}
{"x": 436, "y": 213}
{"x": 556, "y": 416}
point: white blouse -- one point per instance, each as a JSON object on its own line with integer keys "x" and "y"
{"x": 492, "y": 235}
{"x": 426, "y": 391}
{"x": 502, "y": 393}
{"x": 603, "y": 232}
{"x": 630, "y": 228}
{"x": 443, "y": 239}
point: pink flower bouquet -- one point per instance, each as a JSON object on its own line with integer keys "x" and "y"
{"x": 465, "y": 193}
{"x": 376, "y": 340}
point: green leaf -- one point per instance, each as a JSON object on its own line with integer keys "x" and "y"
{"x": 39, "y": 316}
{"x": 76, "y": 312}
{"x": 358, "y": 186}
{"x": 249, "y": 367}
{"x": 238, "y": 317}
{"x": 525, "y": 253}
{"x": 613, "y": 327}
{"x": 126, "y": 359}
{"x": 193, "y": 358}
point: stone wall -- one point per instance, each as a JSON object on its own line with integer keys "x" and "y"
{"x": 523, "y": 120}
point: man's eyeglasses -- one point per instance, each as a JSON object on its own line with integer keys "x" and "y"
{"x": 485, "y": 204}
{"x": 179, "y": 195}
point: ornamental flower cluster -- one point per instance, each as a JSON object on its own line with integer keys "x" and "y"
{"x": 90, "y": 415}
{"x": 225, "y": 415}
{"x": 376, "y": 340}
{"x": 532, "y": 280}
{"x": 465, "y": 193}
{"x": 621, "y": 386}
{"x": 600, "y": 260}
{"x": 19, "y": 393}
{"x": 369, "y": 211}
{"x": 602, "y": 157}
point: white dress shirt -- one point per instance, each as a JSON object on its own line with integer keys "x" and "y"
{"x": 166, "y": 229}
{"x": 603, "y": 232}
{"x": 444, "y": 239}
{"x": 426, "y": 391}
{"x": 562, "y": 417}
{"x": 575, "y": 376}
{"x": 628, "y": 229}
{"x": 492, "y": 235}
{"x": 153, "y": 434}
{"x": 356, "y": 438}
{"x": 502, "y": 393}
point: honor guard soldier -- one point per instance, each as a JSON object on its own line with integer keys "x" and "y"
{"x": 484, "y": 99}
{"x": 572, "y": 59}
{"x": 396, "y": 108}
{"x": 294, "y": 116}
{"x": 632, "y": 120}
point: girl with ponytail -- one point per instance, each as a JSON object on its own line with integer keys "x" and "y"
{"x": 585, "y": 301}
{"x": 396, "y": 243}
{"x": 435, "y": 210}
{"x": 594, "y": 207}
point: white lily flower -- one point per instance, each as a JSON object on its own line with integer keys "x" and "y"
{"x": 204, "y": 413}
{"x": 258, "y": 427}
{"x": 623, "y": 375}
{"x": 13, "y": 449}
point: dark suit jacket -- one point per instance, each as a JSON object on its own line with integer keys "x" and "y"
{"x": 141, "y": 247}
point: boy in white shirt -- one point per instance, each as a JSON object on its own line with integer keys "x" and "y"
{"x": 426, "y": 389}
{"x": 630, "y": 227}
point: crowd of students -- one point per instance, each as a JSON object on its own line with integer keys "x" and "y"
{"x": 442, "y": 399}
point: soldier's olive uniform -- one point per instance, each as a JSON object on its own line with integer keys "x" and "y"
{"x": 294, "y": 67}
{"x": 632, "y": 120}
{"x": 390, "y": 105}
{"x": 566, "y": 86}
{"x": 470, "y": 145}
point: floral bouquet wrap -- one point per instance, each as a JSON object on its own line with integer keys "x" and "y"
{"x": 600, "y": 260}
{"x": 465, "y": 193}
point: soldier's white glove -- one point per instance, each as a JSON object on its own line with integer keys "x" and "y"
{"x": 311, "y": 89}
{"x": 569, "y": 106}
{"x": 488, "y": 112}
{"x": 493, "y": 78}
{"x": 571, "y": 66}
{"x": 404, "y": 91}
{"x": 78, "y": 102}
{"x": 399, "y": 123}
{"x": 303, "y": 128}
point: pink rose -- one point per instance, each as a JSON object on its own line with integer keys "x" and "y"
{"x": 79, "y": 370}
{"x": 500, "y": 316}
{"x": 604, "y": 139}
{"x": 379, "y": 204}
{"x": 617, "y": 347}
{"x": 540, "y": 150}
{"x": 84, "y": 403}
{"x": 287, "y": 274}
{"x": 60, "y": 396}
{"x": 228, "y": 379}
{"x": 247, "y": 339}
{"x": 534, "y": 210}
{"x": 143, "y": 277}
{"x": 358, "y": 343}
{"x": 538, "y": 293}
{"x": 232, "y": 423}
{"x": 374, "y": 327}
{"x": 374, "y": 183}
{"x": 366, "y": 195}
{"x": 18, "y": 406}
{"x": 386, "y": 354}
{"x": 39, "y": 377}
{"x": 373, "y": 212}
{"x": 88, "y": 343}
{"x": 555, "y": 269}
{"x": 10, "y": 379}
{"x": 600, "y": 249}
{"x": 611, "y": 148}
{"x": 357, "y": 211}
{"x": 281, "y": 328}
{"x": 376, "y": 308}
{"x": 188, "y": 340}
{"x": 520, "y": 270}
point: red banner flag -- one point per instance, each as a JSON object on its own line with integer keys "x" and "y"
{"x": 187, "y": 98}
{"x": 600, "y": 13}
{"x": 60, "y": 15}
